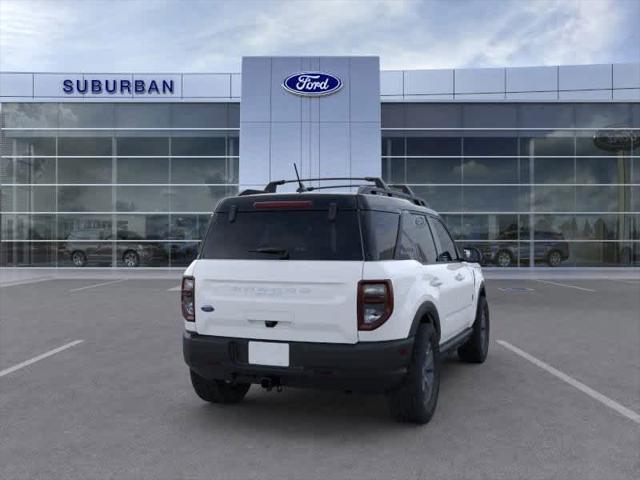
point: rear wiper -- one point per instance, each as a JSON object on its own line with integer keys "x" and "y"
{"x": 283, "y": 252}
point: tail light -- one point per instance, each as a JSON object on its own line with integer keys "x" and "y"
{"x": 375, "y": 303}
{"x": 188, "y": 298}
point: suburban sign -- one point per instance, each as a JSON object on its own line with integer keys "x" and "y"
{"x": 312, "y": 84}
{"x": 101, "y": 86}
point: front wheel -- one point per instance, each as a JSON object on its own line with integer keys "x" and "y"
{"x": 504, "y": 259}
{"x": 476, "y": 348}
{"x": 79, "y": 259}
{"x": 415, "y": 400}
{"x": 131, "y": 259}
{"x": 218, "y": 391}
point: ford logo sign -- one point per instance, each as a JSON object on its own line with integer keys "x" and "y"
{"x": 312, "y": 84}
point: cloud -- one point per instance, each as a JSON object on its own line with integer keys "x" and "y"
{"x": 168, "y": 35}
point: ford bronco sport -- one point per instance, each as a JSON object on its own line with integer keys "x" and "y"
{"x": 357, "y": 291}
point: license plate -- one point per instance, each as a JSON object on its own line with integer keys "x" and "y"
{"x": 268, "y": 353}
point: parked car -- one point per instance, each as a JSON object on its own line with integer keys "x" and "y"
{"x": 355, "y": 291}
{"x": 96, "y": 247}
{"x": 549, "y": 247}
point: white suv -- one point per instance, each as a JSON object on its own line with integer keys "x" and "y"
{"x": 356, "y": 291}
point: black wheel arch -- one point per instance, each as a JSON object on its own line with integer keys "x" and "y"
{"x": 427, "y": 313}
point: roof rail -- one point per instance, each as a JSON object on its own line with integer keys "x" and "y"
{"x": 378, "y": 187}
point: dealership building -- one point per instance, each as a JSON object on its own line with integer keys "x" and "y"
{"x": 534, "y": 166}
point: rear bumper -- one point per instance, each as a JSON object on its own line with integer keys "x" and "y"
{"x": 366, "y": 366}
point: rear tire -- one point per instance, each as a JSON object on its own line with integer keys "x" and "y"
{"x": 475, "y": 350}
{"x": 415, "y": 400}
{"x": 554, "y": 259}
{"x": 218, "y": 391}
{"x": 78, "y": 258}
{"x": 131, "y": 259}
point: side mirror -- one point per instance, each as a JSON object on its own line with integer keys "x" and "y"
{"x": 472, "y": 255}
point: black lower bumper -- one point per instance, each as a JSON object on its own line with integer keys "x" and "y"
{"x": 365, "y": 366}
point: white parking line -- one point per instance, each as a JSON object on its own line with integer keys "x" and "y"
{"x": 86, "y": 287}
{"x": 175, "y": 289}
{"x": 621, "y": 409}
{"x": 26, "y": 363}
{"x": 566, "y": 285}
{"x": 25, "y": 281}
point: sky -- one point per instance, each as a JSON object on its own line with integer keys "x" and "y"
{"x": 212, "y": 36}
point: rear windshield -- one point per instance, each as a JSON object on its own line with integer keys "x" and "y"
{"x": 284, "y": 235}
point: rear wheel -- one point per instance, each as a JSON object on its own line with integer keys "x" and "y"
{"x": 218, "y": 391}
{"x": 504, "y": 259}
{"x": 131, "y": 259}
{"x": 476, "y": 348}
{"x": 554, "y": 258}
{"x": 415, "y": 400}
{"x": 79, "y": 259}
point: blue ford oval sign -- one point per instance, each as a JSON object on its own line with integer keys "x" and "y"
{"x": 312, "y": 84}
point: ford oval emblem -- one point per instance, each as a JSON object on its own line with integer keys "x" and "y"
{"x": 312, "y": 84}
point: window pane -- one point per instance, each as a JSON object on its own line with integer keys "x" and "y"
{"x": 441, "y": 199}
{"x": 603, "y": 199}
{"x": 84, "y": 199}
{"x": 25, "y": 115}
{"x": 454, "y": 225}
{"x": 490, "y": 170}
{"x": 393, "y": 146}
{"x": 84, "y": 227}
{"x": 414, "y": 240}
{"x": 143, "y": 146}
{"x": 142, "y": 199}
{"x": 29, "y": 199}
{"x": 89, "y": 146}
{"x": 141, "y": 254}
{"x": 183, "y": 253}
{"x": 198, "y": 146}
{"x": 145, "y": 227}
{"x": 200, "y": 170}
{"x": 28, "y": 254}
{"x": 143, "y": 170}
{"x": 34, "y": 170}
{"x": 31, "y": 146}
{"x": 490, "y": 146}
{"x": 490, "y": 227}
{"x": 555, "y": 226}
{"x": 554, "y": 199}
{"x": 604, "y": 254}
{"x": 198, "y": 199}
{"x": 433, "y": 146}
{"x": 493, "y": 199}
{"x": 446, "y": 247}
{"x": 603, "y": 170}
{"x": 84, "y": 170}
{"x": 199, "y": 115}
{"x": 189, "y": 227}
{"x": 303, "y": 235}
{"x": 85, "y": 115}
{"x": 380, "y": 231}
{"x": 142, "y": 115}
{"x": 434, "y": 170}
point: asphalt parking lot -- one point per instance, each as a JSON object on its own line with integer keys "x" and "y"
{"x": 119, "y": 403}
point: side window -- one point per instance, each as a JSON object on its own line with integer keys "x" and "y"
{"x": 415, "y": 240}
{"x": 446, "y": 247}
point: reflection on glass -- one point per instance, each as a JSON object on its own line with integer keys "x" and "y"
{"x": 84, "y": 226}
{"x": 200, "y": 170}
{"x": 198, "y": 199}
{"x": 189, "y": 227}
{"x": 441, "y": 199}
{"x": 433, "y": 146}
{"x": 142, "y": 146}
{"x": 148, "y": 227}
{"x": 143, "y": 170}
{"x": 84, "y": 198}
{"x": 183, "y": 253}
{"x": 33, "y": 170}
{"x": 83, "y": 145}
{"x": 143, "y": 199}
{"x": 554, "y": 199}
{"x": 434, "y": 170}
{"x": 84, "y": 170}
{"x": 494, "y": 199}
{"x": 603, "y": 198}
{"x": 198, "y": 146}
{"x": 490, "y": 170}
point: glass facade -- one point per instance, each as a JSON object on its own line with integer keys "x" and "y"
{"x": 133, "y": 184}
{"x": 527, "y": 184}
{"x": 108, "y": 184}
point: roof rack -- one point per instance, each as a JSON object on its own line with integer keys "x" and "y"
{"x": 379, "y": 187}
